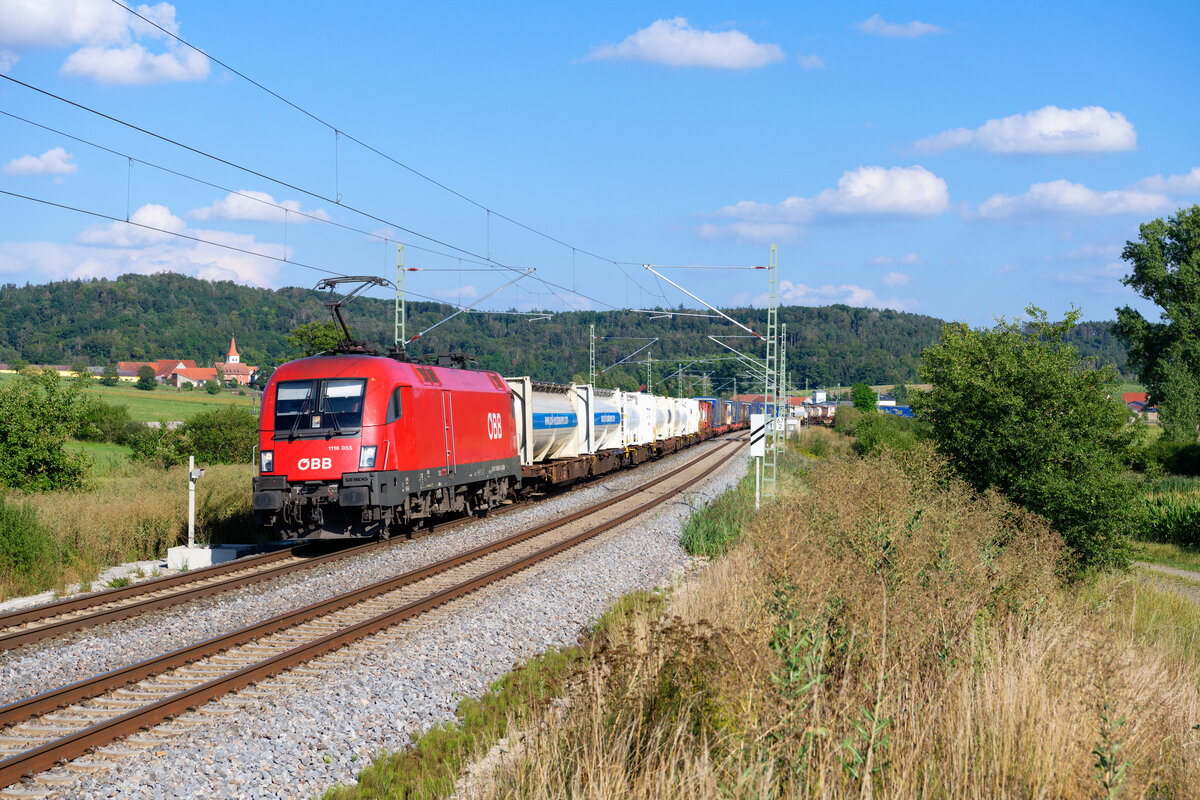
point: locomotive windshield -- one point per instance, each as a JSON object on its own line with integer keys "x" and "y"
{"x": 325, "y": 406}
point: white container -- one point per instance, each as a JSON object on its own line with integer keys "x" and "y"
{"x": 637, "y": 418}
{"x": 606, "y": 419}
{"x": 691, "y": 416}
{"x": 547, "y": 417}
{"x": 662, "y": 418}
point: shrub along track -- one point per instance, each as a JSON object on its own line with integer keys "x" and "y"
{"x": 35, "y": 734}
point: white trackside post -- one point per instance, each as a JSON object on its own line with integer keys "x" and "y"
{"x": 758, "y": 436}
{"x": 191, "y": 502}
{"x": 193, "y": 476}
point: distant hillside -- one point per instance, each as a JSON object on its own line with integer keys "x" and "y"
{"x": 172, "y": 316}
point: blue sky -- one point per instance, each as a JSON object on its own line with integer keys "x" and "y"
{"x": 959, "y": 160}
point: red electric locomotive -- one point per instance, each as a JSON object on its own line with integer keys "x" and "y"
{"x": 357, "y": 445}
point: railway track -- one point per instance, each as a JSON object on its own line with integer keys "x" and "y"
{"x": 35, "y": 624}
{"x": 50, "y": 620}
{"x": 42, "y": 731}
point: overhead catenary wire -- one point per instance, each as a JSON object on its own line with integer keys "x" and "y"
{"x": 339, "y": 132}
{"x": 202, "y": 240}
{"x": 479, "y": 258}
{"x": 186, "y": 176}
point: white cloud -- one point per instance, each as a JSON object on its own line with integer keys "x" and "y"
{"x": 1188, "y": 183}
{"x": 55, "y": 161}
{"x": 876, "y": 26}
{"x": 253, "y": 206}
{"x": 850, "y": 294}
{"x": 1106, "y": 275}
{"x": 756, "y": 232}
{"x": 1048, "y": 130}
{"x": 864, "y": 192}
{"x": 1089, "y": 252}
{"x": 115, "y": 249}
{"x": 107, "y": 37}
{"x": 887, "y": 261}
{"x": 1064, "y": 198}
{"x": 813, "y": 61}
{"x": 148, "y": 217}
{"x": 457, "y": 295}
{"x": 894, "y": 279}
{"x": 676, "y": 43}
{"x": 133, "y": 65}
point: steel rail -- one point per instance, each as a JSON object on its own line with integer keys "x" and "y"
{"x": 91, "y": 687}
{"x": 51, "y": 629}
{"x": 102, "y": 616}
{"x": 46, "y": 756}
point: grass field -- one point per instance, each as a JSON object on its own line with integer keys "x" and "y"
{"x": 107, "y": 457}
{"x": 165, "y": 402}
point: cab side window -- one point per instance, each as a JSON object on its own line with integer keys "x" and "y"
{"x": 395, "y": 410}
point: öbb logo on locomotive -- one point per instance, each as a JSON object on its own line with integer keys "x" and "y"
{"x": 358, "y": 445}
{"x": 495, "y": 426}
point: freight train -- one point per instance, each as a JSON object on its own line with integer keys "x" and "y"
{"x": 361, "y": 445}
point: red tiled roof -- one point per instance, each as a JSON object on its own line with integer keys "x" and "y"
{"x": 198, "y": 374}
{"x": 134, "y": 366}
{"x": 233, "y": 369}
{"x": 1131, "y": 397}
{"x": 232, "y": 346}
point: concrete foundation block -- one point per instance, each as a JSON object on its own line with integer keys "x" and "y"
{"x": 181, "y": 558}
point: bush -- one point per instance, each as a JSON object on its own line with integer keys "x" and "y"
{"x": 878, "y": 432}
{"x": 212, "y": 387}
{"x": 146, "y": 381}
{"x": 863, "y": 397}
{"x": 223, "y": 435}
{"x": 159, "y": 446}
{"x": 38, "y": 411}
{"x": 846, "y": 419}
{"x": 104, "y": 423}
{"x": 1016, "y": 409}
{"x": 28, "y": 553}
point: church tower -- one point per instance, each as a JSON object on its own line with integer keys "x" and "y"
{"x": 232, "y": 357}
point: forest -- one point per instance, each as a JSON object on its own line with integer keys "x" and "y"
{"x": 167, "y": 315}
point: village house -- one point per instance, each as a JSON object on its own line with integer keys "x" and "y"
{"x": 232, "y": 369}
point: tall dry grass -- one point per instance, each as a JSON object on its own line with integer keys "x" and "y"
{"x": 881, "y": 632}
{"x": 133, "y": 513}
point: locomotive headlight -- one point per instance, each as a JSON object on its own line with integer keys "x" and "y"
{"x": 266, "y": 461}
{"x": 366, "y": 456}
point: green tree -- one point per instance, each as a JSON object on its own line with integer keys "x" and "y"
{"x": 212, "y": 387}
{"x": 145, "y": 380}
{"x": 1015, "y": 409}
{"x": 38, "y": 412}
{"x": 1165, "y": 262}
{"x": 314, "y": 337}
{"x": 222, "y": 435}
{"x": 863, "y": 397}
{"x": 110, "y": 377}
{"x": 80, "y": 373}
{"x": 900, "y": 392}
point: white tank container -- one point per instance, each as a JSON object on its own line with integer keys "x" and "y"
{"x": 662, "y": 418}
{"x": 606, "y": 418}
{"x": 637, "y": 411}
{"x": 547, "y": 416}
{"x": 691, "y": 416}
{"x": 679, "y": 421}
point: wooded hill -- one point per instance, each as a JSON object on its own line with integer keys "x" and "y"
{"x": 140, "y": 317}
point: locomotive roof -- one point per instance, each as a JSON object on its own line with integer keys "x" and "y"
{"x": 381, "y": 367}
